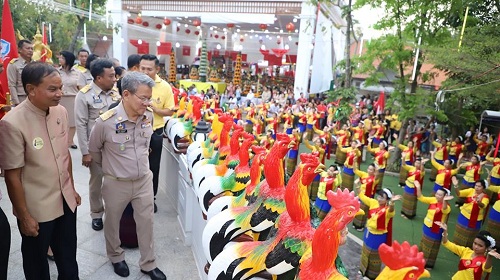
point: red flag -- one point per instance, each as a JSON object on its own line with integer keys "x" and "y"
{"x": 45, "y": 42}
{"x": 8, "y": 48}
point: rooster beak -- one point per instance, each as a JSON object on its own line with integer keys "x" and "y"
{"x": 360, "y": 212}
{"x": 320, "y": 169}
{"x": 425, "y": 274}
{"x": 291, "y": 144}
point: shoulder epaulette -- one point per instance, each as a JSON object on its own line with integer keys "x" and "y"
{"x": 12, "y": 61}
{"x": 108, "y": 114}
{"x": 86, "y": 88}
{"x": 80, "y": 68}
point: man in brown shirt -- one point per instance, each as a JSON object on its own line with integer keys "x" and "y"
{"x": 38, "y": 174}
{"x": 119, "y": 143}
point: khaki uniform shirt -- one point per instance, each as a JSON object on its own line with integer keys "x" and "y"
{"x": 84, "y": 76}
{"x": 37, "y": 142}
{"x": 90, "y": 102}
{"x": 70, "y": 81}
{"x": 14, "y": 70}
{"x": 120, "y": 145}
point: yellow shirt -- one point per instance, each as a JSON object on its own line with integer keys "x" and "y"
{"x": 407, "y": 150}
{"x": 496, "y": 189}
{"x": 467, "y": 207}
{"x": 465, "y": 254}
{"x": 440, "y": 177}
{"x": 352, "y": 156}
{"x": 411, "y": 179}
{"x": 439, "y": 155}
{"x": 380, "y": 157}
{"x": 337, "y": 181}
{"x": 163, "y": 98}
{"x": 430, "y": 212}
{"x": 371, "y": 223}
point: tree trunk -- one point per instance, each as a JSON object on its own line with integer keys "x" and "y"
{"x": 392, "y": 163}
{"x": 72, "y": 46}
{"x": 348, "y": 69}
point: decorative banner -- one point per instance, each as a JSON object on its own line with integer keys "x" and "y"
{"x": 141, "y": 48}
{"x": 8, "y": 47}
{"x": 279, "y": 52}
{"x": 216, "y": 53}
{"x": 186, "y": 50}
{"x": 164, "y": 48}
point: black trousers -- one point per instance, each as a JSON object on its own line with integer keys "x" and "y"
{"x": 60, "y": 234}
{"x": 156, "y": 146}
{"x": 4, "y": 244}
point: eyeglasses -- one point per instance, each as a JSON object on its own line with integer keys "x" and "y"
{"x": 144, "y": 100}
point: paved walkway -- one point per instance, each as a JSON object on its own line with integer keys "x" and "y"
{"x": 175, "y": 259}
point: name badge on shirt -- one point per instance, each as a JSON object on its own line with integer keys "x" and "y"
{"x": 146, "y": 124}
{"x": 97, "y": 100}
{"x": 120, "y": 128}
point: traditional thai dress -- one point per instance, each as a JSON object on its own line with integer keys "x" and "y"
{"x": 359, "y": 134}
{"x": 288, "y": 123}
{"x": 352, "y": 156}
{"x": 311, "y": 120}
{"x": 482, "y": 148}
{"x": 302, "y": 123}
{"x": 454, "y": 152}
{"x": 320, "y": 151}
{"x": 440, "y": 156}
{"x": 327, "y": 138}
{"x": 379, "y": 133}
{"x": 470, "y": 218}
{"x": 342, "y": 142}
{"x": 368, "y": 188}
{"x": 378, "y": 231}
{"x": 326, "y": 183}
{"x": 493, "y": 222}
{"x": 291, "y": 161}
{"x": 443, "y": 177}
{"x": 468, "y": 268}
{"x": 432, "y": 233}
{"x": 249, "y": 116}
{"x": 380, "y": 162}
{"x": 409, "y": 208}
{"x": 409, "y": 160}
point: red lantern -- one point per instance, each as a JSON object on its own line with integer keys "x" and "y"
{"x": 196, "y": 22}
{"x": 241, "y": 39}
{"x": 138, "y": 19}
{"x": 197, "y": 33}
{"x": 178, "y": 29}
{"x": 263, "y": 26}
{"x": 167, "y": 21}
{"x": 230, "y": 25}
{"x": 278, "y": 42}
{"x": 290, "y": 27}
{"x": 223, "y": 37}
{"x": 158, "y": 26}
{"x": 216, "y": 36}
{"x": 296, "y": 43}
{"x": 131, "y": 21}
{"x": 145, "y": 24}
{"x": 188, "y": 31}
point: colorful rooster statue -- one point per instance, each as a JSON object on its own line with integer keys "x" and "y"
{"x": 281, "y": 254}
{"x": 182, "y": 129}
{"x": 259, "y": 216}
{"x": 233, "y": 183}
{"x": 320, "y": 261}
{"x": 205, "y": 169}
{"x": 247, "y": 196}
{"x": 402, "y": 262}
{"x": 175, "y": 118}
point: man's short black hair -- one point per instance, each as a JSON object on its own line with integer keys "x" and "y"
{"x": 151, "y": 57}
{"x": 133, "y": 60}
{"x": 21, "y": 43}
{"x": 83, "y": 50}
{"x": 97, "y": 67}
{"x": 34, "y": 73}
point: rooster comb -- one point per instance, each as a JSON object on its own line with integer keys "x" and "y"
{"x": 402, "y": 255}
{"x": 283, "y": 137}
{"x": 309, "y": 158}
{"x": 342, "y": 198}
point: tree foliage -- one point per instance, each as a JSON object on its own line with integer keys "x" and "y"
{"x": 66, "y": 27}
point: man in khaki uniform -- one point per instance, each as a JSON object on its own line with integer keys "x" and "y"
{"x": 119, "y": 143}
{"x": 16, "y": 66}
{"x": 91, "y": 101}
{"x": 84, "y": 75}
{"x": 38, "y": 174}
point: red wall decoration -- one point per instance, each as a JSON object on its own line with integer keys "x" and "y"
{"x": 186, "y": 50}
{"x": 164, "y": 48}
{"x": 142, "y": 48}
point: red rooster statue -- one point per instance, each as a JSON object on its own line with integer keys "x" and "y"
{"x": 402, "y": 262}
{"x": 281, "y": 254}
{"x": 259, "y": 216}
{"x": 319, "y": 263}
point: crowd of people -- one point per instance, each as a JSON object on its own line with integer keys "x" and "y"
{"x": 119, "y": 127}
